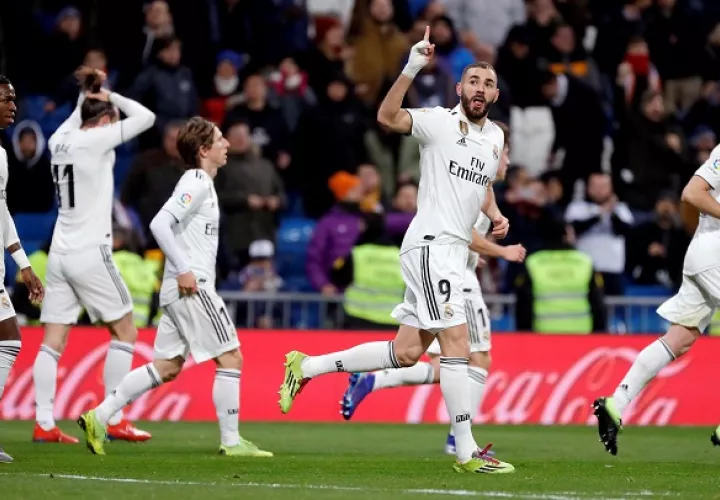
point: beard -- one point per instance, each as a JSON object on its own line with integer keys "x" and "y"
{"x": 474, "y": 115}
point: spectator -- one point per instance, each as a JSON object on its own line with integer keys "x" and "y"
{"x": 259, "y": 276}
{"x": 328, "y": 139}
{"x": 267, "y": 124}
{"x": 651, "y": 153}
{"x": 567, "y": 57}
{"x": 166, "y": 87}
{"x": 396, "y": 156}
{"x": 485, "y": 22}
{"x": 326, "y": 58}
{"x": 706, "y": 111}
{"x": 579, "y": 127}
{"x": 543, "y": 17}
{"x": 291, "y": 89}
{"x": 435, "y": 84}
{"x": 373, "y": 200}
{"x": 601, "y": 224}
{"x": 225, "y": 83}
{"x": 405, "y": 200}
{"x": 637, "y": 74}
{"x": 378, "y": 51}
{"x": 558, "y": 290}
{"x": 65, "y": 48}
{"x": 657, "y": 250}
{"x": 336, "y": 232}
{"x": 448, "y": 47}
{"x": 250, "y": 193}
{"x": 152, "y": 178}
{"x": 29, "y": 171}
{"x": 676, "y": 38}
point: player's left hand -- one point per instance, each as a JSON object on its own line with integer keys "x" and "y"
{"x": 501, "y": 226}
{"x": 33, "y": 284}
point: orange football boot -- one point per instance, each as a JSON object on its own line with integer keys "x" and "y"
{"x": 126, "y": 431}
{"x": 54, "y": 435}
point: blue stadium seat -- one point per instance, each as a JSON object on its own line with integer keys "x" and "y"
{"x": 293, "y": 237}
{"x": 32, "y": 107}
{"x": 647, "y": 291}
{"x": 35, "y": 226}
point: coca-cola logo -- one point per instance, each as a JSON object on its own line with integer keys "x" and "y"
{"x": 80, "y": 387}
{"x": 558, "y": 396}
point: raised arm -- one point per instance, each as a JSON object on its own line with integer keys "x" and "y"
{"x": 391, "y": 114}
{"x": 138, "y": 120}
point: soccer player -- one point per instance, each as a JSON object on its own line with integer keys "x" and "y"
{"x": 80, "y": 269}
{"x": 478, "y": 326}
{"x": 9, "y": 329}
{"x": 689, "y": 311}
{"x": 459, "y": 157}
{"x": 195, "y": 320}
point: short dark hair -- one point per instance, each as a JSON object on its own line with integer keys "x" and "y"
{"x": 92, "y": 110}
{"x": 505, "y": 130}
{"x": 195, "y": 134}
{"x": 477, "y": 64}
{"x": 4, "y": 80}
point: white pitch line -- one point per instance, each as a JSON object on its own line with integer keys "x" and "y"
{"x": 566, "y": 495}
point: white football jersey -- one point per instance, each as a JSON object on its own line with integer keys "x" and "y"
{"x": 82, "y": 162}
{"x": 704, "y": 250}
{"x": 194, "y": 204}
{"x": 482, "y": 226}
{"x": 458, "y": 162}
{"x": 4, "y": 173}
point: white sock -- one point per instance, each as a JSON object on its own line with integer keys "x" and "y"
{"x": 421, "y": 373}
{"x": 118, "y": 362}
{"x": 226, "y": 396}
{"x": 45, "y": 380}
{"x": 647, "y": 365}
{"x": 135, "y": 384}
{"x": 454, "y": 384}
{"x": 9, "y": 350}
{"x": 362, "y": 358}
{"x": 478, "y": 378}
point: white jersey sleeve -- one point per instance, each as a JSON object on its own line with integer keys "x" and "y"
{"x": 9, "y": 232}
{"x": 138, "y": 120}
{"x": 190, "y": 193}
{"x": 425, "y": 123}
{"x": 710, "y": 170}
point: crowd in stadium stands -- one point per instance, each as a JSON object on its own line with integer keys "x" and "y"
{"x": 613, "y": 104}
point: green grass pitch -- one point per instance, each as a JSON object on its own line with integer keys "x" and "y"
{"x": 362, "y": 462}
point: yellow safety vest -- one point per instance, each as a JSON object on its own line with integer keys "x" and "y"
{"x": 377, "y": 285}
{"x": 140, "y": 276}
{"x": 560, "y": 285}
{"x": 715, "y": 324}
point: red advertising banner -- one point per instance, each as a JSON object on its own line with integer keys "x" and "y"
{"x": 536, "y": 379}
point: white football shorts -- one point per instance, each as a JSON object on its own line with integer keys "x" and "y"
{"x": 199, "y": 325}
{"x": 478, "y": 321}
{"x": 695, "y": 303}
{"x": 86, "y": 279}
{"x": 7, "y": 310}
{"x": 434, "y": 276}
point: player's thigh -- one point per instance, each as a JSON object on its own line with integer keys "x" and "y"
{"x": 692, "y": 306}
{"x": 99, "y": 286}
{"x": 478, "y": 323}
{"x": 60, "y": 305}
{"x": 410, "y": 344}
{"x": 206, "y": 325}
{"x": 170, "y": 343}
{"x": 9, "y": 329}
{"x": 434, "y": 277}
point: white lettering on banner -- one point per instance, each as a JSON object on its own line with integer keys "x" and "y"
{"x": 19, "y": 400}
{"x": 519, "y": 396}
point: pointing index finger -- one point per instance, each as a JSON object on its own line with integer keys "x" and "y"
{"x": 427, "y": 34}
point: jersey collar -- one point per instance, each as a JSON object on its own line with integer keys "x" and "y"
{"x": 459, "y": 110}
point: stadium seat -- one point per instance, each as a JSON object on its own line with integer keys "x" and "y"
{"x": 293, "y": 237}
{"x": 32, "y": 107}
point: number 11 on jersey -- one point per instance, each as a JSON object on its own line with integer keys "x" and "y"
{"x": 64, "y": 177}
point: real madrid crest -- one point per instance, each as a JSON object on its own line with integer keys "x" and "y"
{"x": 464, "y": 129}
{"x": 496, "y": 152}
{"x": 449, "y": 313}
{"x": 5, "y": 302}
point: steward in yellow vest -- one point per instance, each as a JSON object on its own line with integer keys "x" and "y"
{"x": 373, "y": 278}
{"x": 559, "y": 292}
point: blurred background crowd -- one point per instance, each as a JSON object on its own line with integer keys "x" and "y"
{"x": 613, "y": 104}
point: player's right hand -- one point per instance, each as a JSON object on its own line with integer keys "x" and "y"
{"x": 34, "y": 286}
{"x": 420, "y": 55}
{"x": 187, "y": 284}
{"x": 514, "y": 253}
